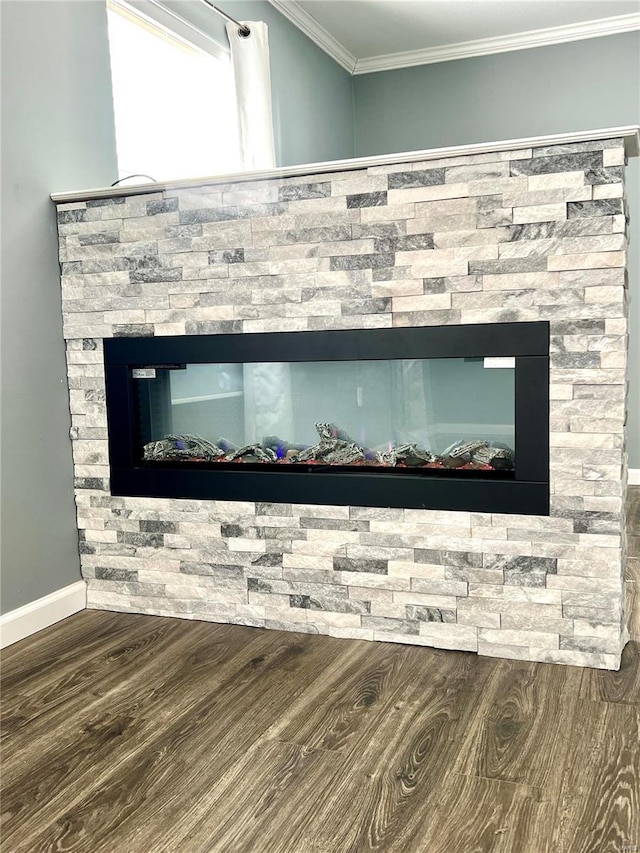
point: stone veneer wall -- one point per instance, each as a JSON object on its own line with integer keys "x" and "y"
{"x": 517, "y": 235}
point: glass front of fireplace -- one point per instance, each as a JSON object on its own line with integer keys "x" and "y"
{"x": 430, "y": 416}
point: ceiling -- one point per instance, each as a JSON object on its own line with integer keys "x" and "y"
{"x": 359, "y": 33}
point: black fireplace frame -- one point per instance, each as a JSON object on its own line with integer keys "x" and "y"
{"x": 525, "y": 491}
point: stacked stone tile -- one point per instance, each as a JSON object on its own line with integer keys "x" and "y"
{"x": 527, "y": 234}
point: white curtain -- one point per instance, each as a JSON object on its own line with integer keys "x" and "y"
{"x": 250, "y": 57}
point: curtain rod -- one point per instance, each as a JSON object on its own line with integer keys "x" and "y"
{"x": 243, "y": 29}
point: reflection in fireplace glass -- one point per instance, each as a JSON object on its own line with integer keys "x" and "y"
{"x": 449, "y": 413}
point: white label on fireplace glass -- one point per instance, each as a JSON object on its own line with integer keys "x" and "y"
{"x": 143, "y": 373}
{"x": 500, "y": 361}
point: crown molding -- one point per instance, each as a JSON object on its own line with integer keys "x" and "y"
{"x": 317, "y": 33}
{"x": 447, "y": 52}
{"x": 500, "y": 44}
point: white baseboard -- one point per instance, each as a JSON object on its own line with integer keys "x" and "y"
{"x": 634, "y": 476}
{"x": 33, "y": 617}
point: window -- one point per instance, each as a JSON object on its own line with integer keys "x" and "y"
{"x": 174, "y": 97}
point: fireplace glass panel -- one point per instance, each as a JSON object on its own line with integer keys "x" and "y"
{"x": 428, "y": 415}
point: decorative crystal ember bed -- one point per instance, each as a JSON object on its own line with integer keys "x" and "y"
{"x": 398, "y": 414}
{"x": 367, "y": 414}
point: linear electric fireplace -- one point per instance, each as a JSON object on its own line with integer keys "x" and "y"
{"x": 450, "y": 417}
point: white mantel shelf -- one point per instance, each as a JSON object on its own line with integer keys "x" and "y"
{"x": 630, "y": 134}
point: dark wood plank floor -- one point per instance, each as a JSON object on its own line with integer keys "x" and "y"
{"x": 139, "y": 734}
{"x": 150, "y": 735}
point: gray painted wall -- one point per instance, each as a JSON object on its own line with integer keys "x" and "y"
{"x": 311, "y": 94}
{"x": 57, "y": 134}
{"x": 578, "y": 86}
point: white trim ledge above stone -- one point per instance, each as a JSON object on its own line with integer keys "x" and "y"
{"x": 630, "y": 134}
{"x": 39, "y": 614}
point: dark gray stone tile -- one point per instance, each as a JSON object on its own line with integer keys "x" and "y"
{"x": 263, "y": 508}
{"x": 575, "y": 359}
{"x": 561, "y": 163}
{"x": 430, "y": 614}
{"x": 582, "y": 227}
{"x": 97, "y": 483}
{"x": 89, "y": 344}
{"x": 417, "y": 178}
{"x": 168, "y": 205}
{"x": 232, "y": 530}
{"x": 530, "y": 231}
{"x": 303, "y": 601}
{"x": 329, "y": 603}
{"x": 268, "y": 560}
{"x": 601, "y": 207}
{"x": 578, "y": 327}
{"x": 365, "y": 306}
{"x": 610, "y": 175}
{"x": 148, "y": 261}
{"x": 393, "y": 626}
{"x": 408, "y": 243}
{"x": 433, "y": 285}
{"x": 361, "y": 262}
{"x": 345, "y": 564}
{"x": 334, "y": 524}
{"x": 158, "y": 526}
{"x": 141, "y": 540}
{"x": 524, "y": 565}
{"x": 105, "y": 573}
{"x": 213, "y": 327}
{"x": 67, "y": 216}
{"x": 283, "y": 534}
{"x": 228, "y": 256}
{"x": 376, "y": 199}
{"x": 132, "y": 330}
{"x": 105, "y": 202}
{"x": 460, "y": 559}
{"x": 211, "y": 214}
{"x": 101, "y": 238}
{"x": 585, "y": 521}
{"x": 508, "y": 265}
{"x": 155, "y": 274}
{"x": 293, "y": 192}
{"x": 386, "y": 273}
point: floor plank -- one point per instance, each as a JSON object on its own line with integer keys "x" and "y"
{"x": 525, "y": 732}
{"x": 478, "y": 815}
{"x": 600, "y": 794}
